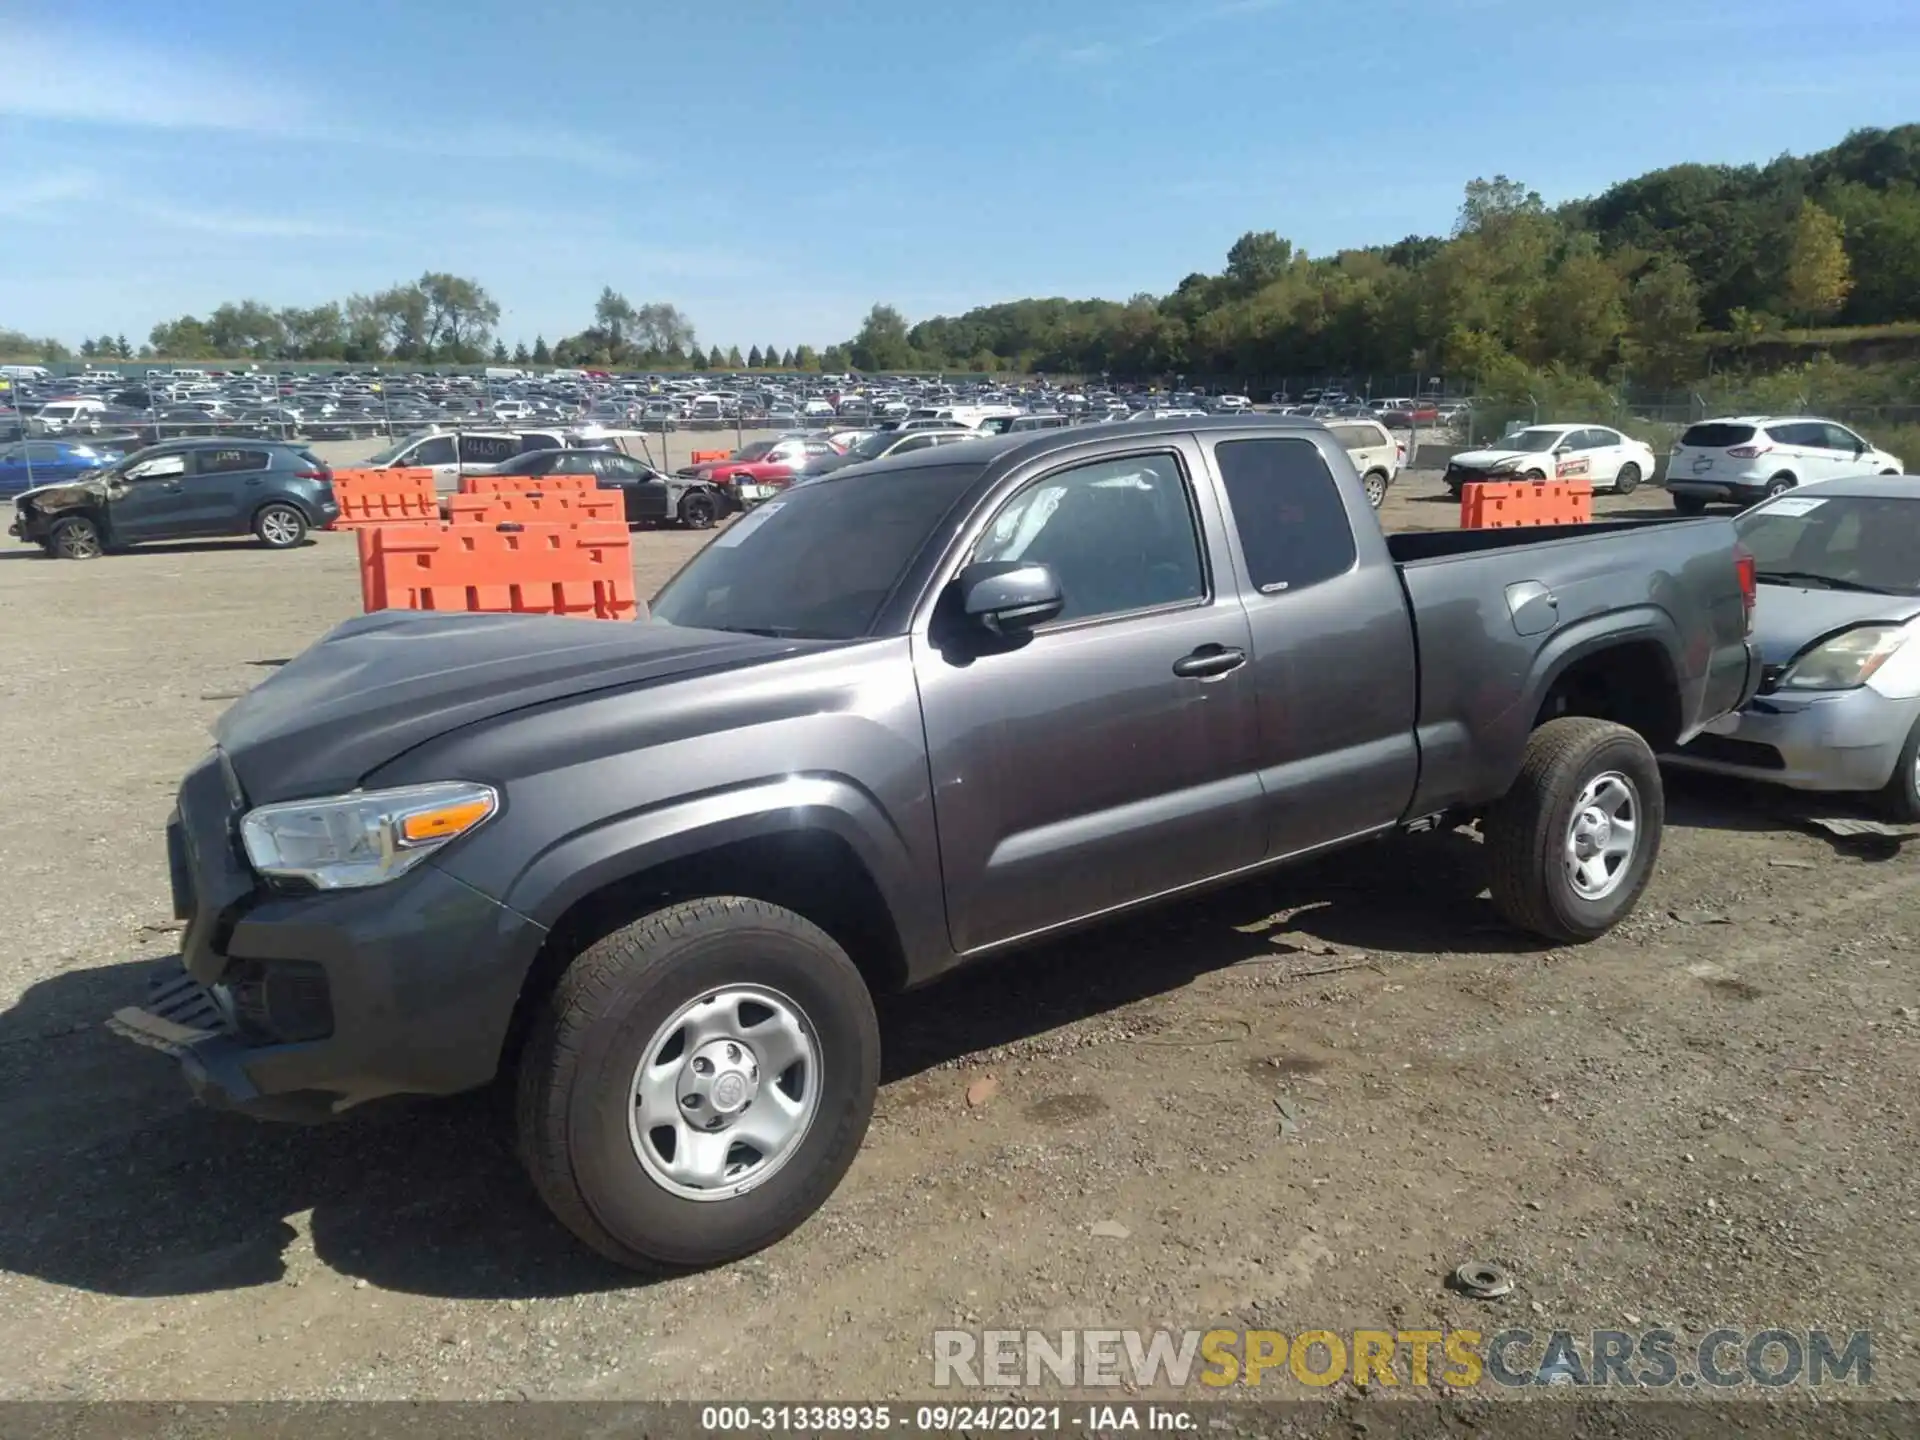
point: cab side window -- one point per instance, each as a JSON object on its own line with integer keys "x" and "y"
{"x": 1287, "y": 510}
{"x": 1118, "y": 534}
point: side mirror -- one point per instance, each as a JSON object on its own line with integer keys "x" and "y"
{"x": 1005, "y": 597}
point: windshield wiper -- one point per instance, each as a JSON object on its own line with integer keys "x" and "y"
{"x": 1818, "y": 582}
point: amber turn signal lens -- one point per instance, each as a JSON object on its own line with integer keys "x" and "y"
{"x": 443, "y": 823}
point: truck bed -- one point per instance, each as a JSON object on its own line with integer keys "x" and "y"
{"x": 1496, "y": 611}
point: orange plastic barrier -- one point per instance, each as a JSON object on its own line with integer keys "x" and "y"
{"x": 520, "y": 484}
{"x": 1552, "y": 502}
{"x": 584, "y": 570}
{"x": 565, "y": 507}
{"x": 384, "y": 497}
{"x": 703, "y": 457}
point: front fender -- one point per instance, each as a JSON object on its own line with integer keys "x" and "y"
{"x": 621, "y": 847}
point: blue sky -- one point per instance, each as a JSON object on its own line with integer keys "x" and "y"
{"x": 775, "y": 168}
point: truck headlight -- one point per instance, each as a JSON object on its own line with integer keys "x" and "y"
{"x": 345, "y": 842}
{"x": 1844, "y": 661}
{"x": 1501, "y": 467}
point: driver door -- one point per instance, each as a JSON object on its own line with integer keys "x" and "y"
{"x": 1112, "y": 755}
{"x": 150, "y": 500}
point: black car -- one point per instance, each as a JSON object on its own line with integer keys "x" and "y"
{"x": 650, "y": 497}
{"x": 182, "y": 489}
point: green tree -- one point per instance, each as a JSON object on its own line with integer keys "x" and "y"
{"x": 520, "y": 355}
{"x": 734, "y": 362}
{"x": 715, "y": 360}
{"x": 1257, "y": 259}
{"x": 771, "y": 356}
{"x": 615, "y": 317}
{"x": 882, "y": 343}
{"x": 787, "y": 361}
{"x": 804, "y": 358}
{"x": 1580, "y": 313}
{"x": 121, "y": 347}
{"x": 754, "y": 358}
{"x": 499, "y": 352}
{"x": 1663, "y": 321}
{"x": 1817, "y": 277}
{"x": 541, "y": 354}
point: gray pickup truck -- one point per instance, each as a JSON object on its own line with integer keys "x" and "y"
{"x": 910, "y": 715}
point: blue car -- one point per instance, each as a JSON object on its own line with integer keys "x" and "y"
{"x": 27, "y": 463}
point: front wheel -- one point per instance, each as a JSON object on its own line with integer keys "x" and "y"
{"x": 280, "y": 527}
{"x": 699, "y": 511}
{"x": 76, "y": 538}
{"x": 698, "y": 1083}
{"x": 1571, "y": 845}
{"x": 1627, "y": 481}
{"x": 1901, "y": 797}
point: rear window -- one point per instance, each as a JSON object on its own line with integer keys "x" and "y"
{"x": 1357, "y": 437}
{"x": 1293, "y": 527}
{"x": 1716, "y": 435}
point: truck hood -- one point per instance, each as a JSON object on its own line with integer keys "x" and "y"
{"x": 380, "y": 684}
{"x": 1788, "y": 618}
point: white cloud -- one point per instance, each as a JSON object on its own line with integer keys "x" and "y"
{"x": 49, "y": 193}
{"x": 241, "y": 225}
{"x": 90, "y": 78}
{"x": 1138, "y": 37}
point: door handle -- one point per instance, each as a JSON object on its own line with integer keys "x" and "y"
{"x": 255, "y": 480}
{"x": 1209, "y": 662}
{"x": 175, "y": 486}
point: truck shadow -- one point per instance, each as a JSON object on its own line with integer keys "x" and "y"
{"x": 113, "y": 1181}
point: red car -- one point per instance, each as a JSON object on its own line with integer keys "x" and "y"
{"x": 758, "y": 471}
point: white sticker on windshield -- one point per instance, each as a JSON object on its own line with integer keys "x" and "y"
{"x": 750, "y": 522}
{"x": 1796, "y": 505}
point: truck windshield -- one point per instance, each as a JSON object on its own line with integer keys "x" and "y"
{"x": 817, "y": 563}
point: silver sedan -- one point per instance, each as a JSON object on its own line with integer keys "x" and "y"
{"x": 1838, "y": 626}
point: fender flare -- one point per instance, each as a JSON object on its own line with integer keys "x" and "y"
{"x": 624, "y": 846}
{"x": 1567, "y": 648}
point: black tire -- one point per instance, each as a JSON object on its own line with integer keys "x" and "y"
{"x": 77, "y": 537}
{"x": 1536, "y": 476}
{"x": 1900, "y": 799}
{"x": 575, "y": 1084}
{"x": 1779, "y": 485}
{"x": 279, "y": 526}
{"x": 1690, "y": 504}
{"x": 699, "y": 510}
{"x": 1529, "y": 829}
{"x": 1375, "y": 483}
{"x": 1627, "y": 481}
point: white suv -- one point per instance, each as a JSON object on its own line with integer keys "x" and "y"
{"x": 1376, "y": 454}
{"x": 1751, "y": 457}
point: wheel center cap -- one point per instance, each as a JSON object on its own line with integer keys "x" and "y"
{"x": 1592, "y": 832}
{"x": 720, "y": 1080}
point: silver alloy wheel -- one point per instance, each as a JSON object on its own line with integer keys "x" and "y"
{"x": 1376, "y": 491}
{"x": 725, "y": 1092}
{"x": 279, "y": 527}
{"x": 79, "y": 541}
{"x": 1602, "y": 835}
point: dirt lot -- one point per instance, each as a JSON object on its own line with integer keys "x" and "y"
{"x": 1706, "y": 1118}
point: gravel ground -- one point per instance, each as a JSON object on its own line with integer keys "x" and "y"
{"x": 1705, "y": 1118}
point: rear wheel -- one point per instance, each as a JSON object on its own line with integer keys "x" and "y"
{"x": 1571, "y": 845}
{"x": 1779, "y": 485}
{"x": 76, "y": 538}
{"x": 280, "y": 526}
{"x": 1376, "y": 487}
{"x": 1690, "y": 504}
{"x": 699, "y": 511}
{"x": 698, "y": 1083}
{"x": 1627, "y": 481}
